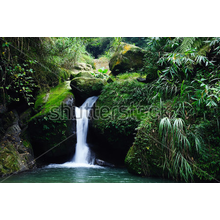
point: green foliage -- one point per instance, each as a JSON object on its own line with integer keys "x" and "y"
{"x": 112, "y": 46}
{"x": 208, "y": 160}
{"x": 177, "y": 147}
{"x": 17, "y": 81}
{"x": 99, "y": 46}
{"x": 207, "y": 95}
{"x": 50, "y": 58}
{"x": 22, "y": 82}
{"x": 185, "y": 94}
{"x": 102, "y": 74}
{"x": 66, "y": 51}
{"x": 125, "y": 76}
{"x": 103, "y": 70}
{"x": 189, "y": 42}
{"x": 164, "y": 146}
{"x": 137, "y": 41}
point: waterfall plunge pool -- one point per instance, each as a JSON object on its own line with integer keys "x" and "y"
{"x": 76, "y": 173}
{"x": 81, "y": 168}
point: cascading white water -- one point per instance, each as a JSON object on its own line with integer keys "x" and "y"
{"x": 82, "y": 153}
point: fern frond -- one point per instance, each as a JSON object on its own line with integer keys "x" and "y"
{"x": 197, "y": 43}
{"x": 187, "y": 44}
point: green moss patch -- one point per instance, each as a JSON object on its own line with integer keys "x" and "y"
{"x": 53, "y": 98}
{"x": 143, "y": 158}
{"x": 119, "y": 110}
{"x": 8, "y": 159}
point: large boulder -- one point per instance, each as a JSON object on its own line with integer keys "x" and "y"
{"x": 115, "y": 118}
{"x": 52, "y": 129}
{"x": 82, "y": 74}
{"x": 127, "y": 58}
{"x": 80, "y": 67}
{"x": 85, "y": 87}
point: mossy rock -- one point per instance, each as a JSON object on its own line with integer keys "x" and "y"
{"x": 52, "y": 99}
{"x": 116, "y": 116}
{"x": 146, "y": 156}
{"x": 14, "y": 155}
{"x": 54, "y": 139}
{"x": 86, "y": 74}
{"x": 143, "y": 158}
{"x": 53, "y": 124}
{"x": 13, "y": 160}
{"x": 8, "y": 159}
{"x": 64, "y": 74}
{"x": 127, "y": 58}
{"x": 84, "y": 87}
{"x": 83, "y": 67}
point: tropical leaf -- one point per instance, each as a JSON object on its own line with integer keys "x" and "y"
{"x": 165, "y": 126}
{"x": 176, "y": 141}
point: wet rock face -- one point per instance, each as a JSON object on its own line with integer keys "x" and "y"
{"x": 3, "y": 108}
{"x": 103, "y": 163}
{"x": 14, "y": 129}
{"x": 16, "y": 153}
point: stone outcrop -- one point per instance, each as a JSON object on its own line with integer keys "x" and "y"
{"x": 101, "y": 63}
{"x": 80, "y": 67}
{"x": 16, "y": 152}
{"x": 103, "y": 163}
{"x": 85, "y": 87}
{"x": 82, "y": 74}
{"x": 128, "y": 58}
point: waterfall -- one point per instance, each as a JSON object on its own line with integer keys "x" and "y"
{"x": 82, "y": 153}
